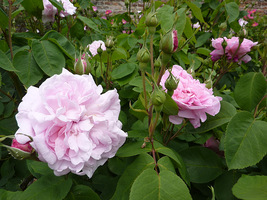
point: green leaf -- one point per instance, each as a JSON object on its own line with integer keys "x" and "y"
{"x": 232, "y": 10}
{"x": 57, "y": 4}
{"x": 133, "y": 148}
{"x": 245, "y": 141}
{"x": 202, "y": 39}
{"x": 3, "y": 19}
{"x": 38, "y": 168}
{"x": 170, "y": 107}
{"x": 119, "y": 53}
{"x": 29, "y": 72}
{"x": 47, "y": 187}
{"x": 5, "y": 63}
{"x": 62, "y": 42}
{"x": 89, "y": 23}
{"x": 48, "y": 57}
{"x": 203, "y": 165}
{"x": 165, "y": 17}
{"x": 165, "y": 163}
{"x": 138, "y": 83}
{"x": 223, "y": 185}
{"x": 204, "y": 51}
{"x": 180, "y": 25}
{"x": 16, "y": 12}
{"x": 165, "y": 186}
{"x": 175, "y": 157}
{"x": 142, "y": 162}
{"x": 82, "y": 192}
{"x": 33, "y": 7}
{"x": 196, "y": 11}
{"x": 188, "y": 31}
{"x": 123, "y": 70}
{"x": 249, "y": 90}
{"x": 251, "y": 188}
{"x": 226, "y": 113}
{"x": 8, "y": 126}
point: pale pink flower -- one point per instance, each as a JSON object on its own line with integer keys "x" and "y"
{"x": 95, "y": 45}
{"x": 196, "y": 25}
{"x": 104, "y": 17}
{"x": 24, "y": 147}
{"x": 74, "y": 128}
{"x": 192, "y": 97}
{"x": 108, "y": 12}
{"x": 242, "y": 22}
{"x": 94, "y": 8}
{"x": 50, "y": 11}
{"x": 219, "y": 51}
{"x": 240, "y": 54}
{"x": 124, "y": 21}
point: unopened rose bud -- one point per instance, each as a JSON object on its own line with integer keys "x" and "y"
{"x": 157, "y": 63}
{"x": 169, "y": 42}
{"x": 151, "y": 22}
{"x": 223, "y": 26}
{"x": 158, "y": 98}
{"x": 209, "y": 83}
{"x": 109, "y": 42}
{"x": 143, "y": 56}
{"x": 100, "y": 50}
{"x": 20, "y": 151}
{"x": 171, "y": 84}
{"x": 82, "y": 65}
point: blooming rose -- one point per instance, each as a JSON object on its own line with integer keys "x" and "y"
{"x": 192, "y": 97}
{"x": 232, "y": 51}
{"x": 108, "y": 12}
{"x": 219, "y": 51}
{"x": 50, "y": 11}
{"x": 245, "y": 47}
{"x": 74, "y": 128}
{"x": 95, "y": 45}
{"x": 94, "y": 8}
{"x": 24, "y": 147}
{"x": 242, "y": 22}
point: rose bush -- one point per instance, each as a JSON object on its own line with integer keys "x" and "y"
{"x": 73, "y": 126}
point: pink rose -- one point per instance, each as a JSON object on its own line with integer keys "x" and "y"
{"x": 73, "y": 126}
{"x": 124, "y": 21}
{"x": 192, "y": 97}
{"x": 219, "y": 51}
{"x": 104, "y": 17}
{"x": 240, "y": 55}
{"x": 108, "y": 12}
{"x": 50, "y": 11}
{"x": 24, "y": 147}
{"x": 255, "y": 24}
{"x": 242, "y": 22}
{"x": 94, "y": 8}
{"x": 95, "y": 45}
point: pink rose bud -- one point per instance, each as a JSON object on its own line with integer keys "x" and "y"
{"x": 169, "y": 42}
{"x": 94, "y": 8}
{"x": 82, "y": 66}
{"x": 24, "y": 147}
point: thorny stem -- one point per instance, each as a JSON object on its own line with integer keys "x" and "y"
{"x": 177, "y": 133}
{"x": 9, "y": 28}
{"x": 144, "y": 87}
{"x": 161, "y": 74}
{"x": 151, "y": 55}
{"x": 257, "y": 107}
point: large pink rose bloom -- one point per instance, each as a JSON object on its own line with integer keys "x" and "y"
{"x": 192, "y": 97}
{"x": 95, "y": 45}
{"x": 50, "y": 11}
{"x": 74, "y": 127}
{"x": 239, "y": 54}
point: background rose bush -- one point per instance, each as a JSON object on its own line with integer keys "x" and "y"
{"x": 123, "y": 95}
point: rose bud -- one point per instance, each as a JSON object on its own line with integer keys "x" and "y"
{"x": 171, "y": 84}
{"x": 20, "y": 151}
{"x": 169, "y": 42}
{"x": 82, "y": 66}
{"x": 158, "y": 98}
{"x": 151, "y": 22}
{"x": 143, "y": 56}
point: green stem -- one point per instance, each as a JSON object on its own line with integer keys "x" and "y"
{"x": 144, "y": 88}
{"x": 9, "y": 28}
{"x": 151, "y": 55}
